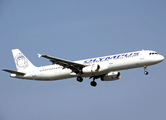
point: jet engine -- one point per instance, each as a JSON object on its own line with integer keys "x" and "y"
{"x": 111, "y": 76}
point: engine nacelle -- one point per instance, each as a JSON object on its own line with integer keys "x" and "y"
{"x": 92, "y": 68}
{"x": 111, "y": 76}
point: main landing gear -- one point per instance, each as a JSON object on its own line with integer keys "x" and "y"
{"x": 79, "y": 79}
{"x": 145, "y": 70}
{"x": 93, "y": 83}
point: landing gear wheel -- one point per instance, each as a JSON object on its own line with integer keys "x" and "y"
{"x": 146, "y": 73}
{"x": 93, "y": 83}
{"x": 79, "y": 79}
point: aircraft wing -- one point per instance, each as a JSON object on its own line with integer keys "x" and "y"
{"x": 75, "y": 67}
{"x": 15, "y": 72}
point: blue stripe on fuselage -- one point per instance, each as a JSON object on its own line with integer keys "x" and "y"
{"x": 111, "y": 57}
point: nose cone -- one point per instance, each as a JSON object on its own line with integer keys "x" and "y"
{"x": 160, "y": 58}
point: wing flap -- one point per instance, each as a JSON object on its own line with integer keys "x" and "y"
{"x": 14, "y": 72}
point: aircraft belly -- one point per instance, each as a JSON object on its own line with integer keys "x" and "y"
{"x": 125, "y": 64}
{"x": 54, "y": 75}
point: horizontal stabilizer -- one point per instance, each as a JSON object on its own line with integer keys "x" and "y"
{"x": 14, "y": 72}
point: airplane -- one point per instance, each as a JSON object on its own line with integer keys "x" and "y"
{"x": 106, "y": 68}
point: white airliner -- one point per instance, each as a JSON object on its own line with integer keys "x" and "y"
{"x": 105, "y": 67}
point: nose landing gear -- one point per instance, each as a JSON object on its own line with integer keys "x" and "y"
{"x": 145, "y": 70}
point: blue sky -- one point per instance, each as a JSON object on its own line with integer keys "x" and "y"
{"x": 76, "y": 30}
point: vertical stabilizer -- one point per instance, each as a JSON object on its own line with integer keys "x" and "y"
{"x": 22, "y": 63}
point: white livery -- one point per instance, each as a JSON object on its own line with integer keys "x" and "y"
{"x": 105, "y": 67}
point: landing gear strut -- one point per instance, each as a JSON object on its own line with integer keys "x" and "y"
{"x": 145, "y": 70}
{"x": 79, "y": 78}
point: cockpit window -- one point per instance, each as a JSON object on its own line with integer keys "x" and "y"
{"x": 153, "y": 53}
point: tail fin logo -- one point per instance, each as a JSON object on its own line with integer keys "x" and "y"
{"x": 21, "y": 61}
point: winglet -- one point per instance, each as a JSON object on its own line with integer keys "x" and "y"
{"x": 39, "y": 55}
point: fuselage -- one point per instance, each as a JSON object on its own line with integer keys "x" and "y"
{"x": 108, "y": 63}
